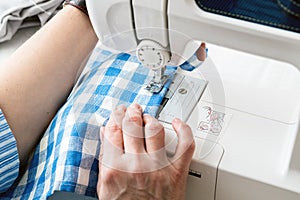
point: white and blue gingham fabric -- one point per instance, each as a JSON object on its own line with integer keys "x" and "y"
{"x": 9, "y": 158}
{"x": 66, "y": 159}
{"x": 192, "y": 63}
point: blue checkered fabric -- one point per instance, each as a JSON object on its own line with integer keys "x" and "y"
{"x": 9, "y": 157}
{"x": 66, "y": 159}
{"x": 192, "y": 63}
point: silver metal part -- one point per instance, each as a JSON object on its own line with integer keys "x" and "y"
{"x": 182, "y": 97}
{"x": 154, "y": 56}
{"x": 158, "y": 75}
{"x": 158, "y": 81}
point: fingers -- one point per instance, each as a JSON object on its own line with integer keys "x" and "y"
{"x": 113, "y": 131}
{"x": 133, "y": 134}
{"x": 201, "y": 52}
{"x": 186, "y": 146}
{"x": 101, "y": 146}
{"x": 154, "y": 134}
{"x": 102, "y": 129}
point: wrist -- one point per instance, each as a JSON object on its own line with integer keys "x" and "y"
{"x": 79, "y": 4}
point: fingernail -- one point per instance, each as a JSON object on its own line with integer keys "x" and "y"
{"x": 176, "y": 120}
{"x": 203, "y": 45}
{"x": 176, "y": 123}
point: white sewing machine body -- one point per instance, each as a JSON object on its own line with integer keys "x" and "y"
{"x": 246, "y": 126}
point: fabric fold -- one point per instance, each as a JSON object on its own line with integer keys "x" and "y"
{"x": 16, "y": 14}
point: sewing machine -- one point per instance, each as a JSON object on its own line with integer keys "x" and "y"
{"x": 246, "y": 126}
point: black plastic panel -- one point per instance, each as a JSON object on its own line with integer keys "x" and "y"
{"x": 283, "y": 14}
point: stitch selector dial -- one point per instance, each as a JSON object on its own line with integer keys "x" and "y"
{"x": 152, "y": 55}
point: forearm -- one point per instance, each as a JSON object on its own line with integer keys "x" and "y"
{"x": 37, "y": 78}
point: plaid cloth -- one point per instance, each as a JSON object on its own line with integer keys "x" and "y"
{"x": 9, "y": 157}
{"x": 192, "y": 63}
{"x": 67, "y": 157}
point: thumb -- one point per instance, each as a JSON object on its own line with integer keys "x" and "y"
{"x": 186, "y": 145}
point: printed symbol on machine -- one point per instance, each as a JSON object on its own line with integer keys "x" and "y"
{"x": 213, "y": 122}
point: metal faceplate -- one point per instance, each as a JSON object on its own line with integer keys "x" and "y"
{"x": 181, "y": 101}
{"x": 182, "y": 97}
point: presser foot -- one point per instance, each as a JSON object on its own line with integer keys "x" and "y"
{"x": 155, "y": 86}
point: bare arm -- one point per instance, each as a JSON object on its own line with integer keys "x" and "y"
{"x": 36, "y": 80}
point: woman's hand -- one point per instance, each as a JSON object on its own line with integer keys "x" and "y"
{"x": 133, "y": 161}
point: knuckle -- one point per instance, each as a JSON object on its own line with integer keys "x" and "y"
{"x": 193, "y": 146}
{"x": 134, "y": 106}
{"x": 108, "y": 175}
{"x": 134, "y": 118}
{"x": 160, "y": 176}
{"x": 187, "y": 132}
{"x": 154, "y": 126}
{"x": 113, "y": 127}
{"x": 142, "y": 179}
{"x": 189, "y": 148}
{"x": 140, "y": 176}
{"x": 187, "y": 140}
{"x": 186, "y": 128}
{"x": 133, "y": 114}
{"x": 188, "y": 143}
{"x": 177, "y": 174}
